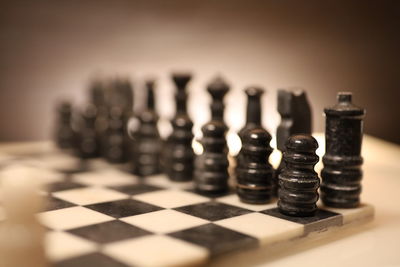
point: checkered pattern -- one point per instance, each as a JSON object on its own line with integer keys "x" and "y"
{"x": 99, "y": 215}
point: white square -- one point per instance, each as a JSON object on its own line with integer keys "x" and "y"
{"x": 156, "y": 251}
{"x": 61, "y": 245}
{"x": 69, "y": 218}
{"x": 267, "y": 229}
{"x": 235, "y": 201}
{"x": 164, "y": 221}
{"x": 97, "y": 164}
{"x": 40, "y": 175}
{"x": 162, "y": 180}
{"x": 58, "y": 161}
{"x": 89, "y": 195}
{"x": 171, "y": 198}
{"x": 106, "y": 177}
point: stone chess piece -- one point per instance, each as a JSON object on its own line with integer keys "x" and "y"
{"x": 342, "y": 174}
{"x": 298, "y": 182}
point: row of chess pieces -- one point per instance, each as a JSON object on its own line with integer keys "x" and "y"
{"x": 107, "y": 127}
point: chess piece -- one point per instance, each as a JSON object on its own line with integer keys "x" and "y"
{"x": 21, "y": 235}
{"x": 298, "y": 182}
{"x": 147, "y": 138}
{"x": 65, "y": 135}
{"x": 87, "y": 142}
{"x": 253, "y": 112}
{"x": 211, "y": 173}
{"x": 181, "y": 81}
{"x": 296, "y": 118}
{"x": 253, "y": 116}
{"x": 121, "y": 94}
{"x": 217, "y": 89}
{"x": 114, "y": 148}
{"x": 178, "y": 154}
{"x": 342, "y": 174}
{"x": 254, "y": 176}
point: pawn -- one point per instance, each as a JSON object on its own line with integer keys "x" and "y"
{"x": 147, "y": 141}
{"x": 298, "y": 182}
{"x": 65, "y": 135}
{"x": 87, "y": 142}
{"x": 115, "y": 149}
{"x": 254, "y": 176}
{"x": 211, "y": 168}
{"x": 180, "y": 161}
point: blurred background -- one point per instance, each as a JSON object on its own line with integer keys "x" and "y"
{"x": 50, "y": 50}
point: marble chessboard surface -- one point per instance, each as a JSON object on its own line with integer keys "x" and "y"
{"x": 97, "y": 214}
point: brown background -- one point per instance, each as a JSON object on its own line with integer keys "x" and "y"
{"x": 52, "y": 49}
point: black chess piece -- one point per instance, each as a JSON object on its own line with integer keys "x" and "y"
{"x": 115, "y": 148}
{"x": 65, "y": 135}
{"x": 178, "y": 154}
{"x": 211, "y": 169}
{"x": 342, "y": 174}
{"x": 181, "y": 81}
{"x": 217, "y": 89}
{"x": 254, "y": 176}
{"x": 87, "y": 142}
{"x": 147, "y": 143}
{"x": 296, "y": 118}
{"x": 253, "y": 116}
{"x": 298, "y": 182}
{"x": 121, "y": 94}
{"x": 98, "y": 95}
{"x": 253, "y": 111}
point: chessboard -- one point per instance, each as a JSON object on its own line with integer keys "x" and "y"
{"x": 99, "y": 214}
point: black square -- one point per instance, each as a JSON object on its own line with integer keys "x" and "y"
{"x": 213, "y": 211}
{"x": 215, "y": 238}
{"x": 109, "y": 232}
{"x": 61, "y": 186}
{"x": 93, "y": 259}
{"x": 321, "y": 220}
{"x": 123, "y": 208}
{"x": 136, "y": 189}
{"x": 52, "y": 203}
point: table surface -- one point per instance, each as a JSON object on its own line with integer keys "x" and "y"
{"x": 374, "y": 244}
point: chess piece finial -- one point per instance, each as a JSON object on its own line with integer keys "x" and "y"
{"x": 298, "y": 182}
{"x": 342, "y": 174}
{"x": 254, "y": 176}
{"x": 181, "y": 79}
{"x": 150, "y": 94}
{"x": 253, "y": 112}
{"x": 217, "y": 89}
{"x": 211, "y": 172}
